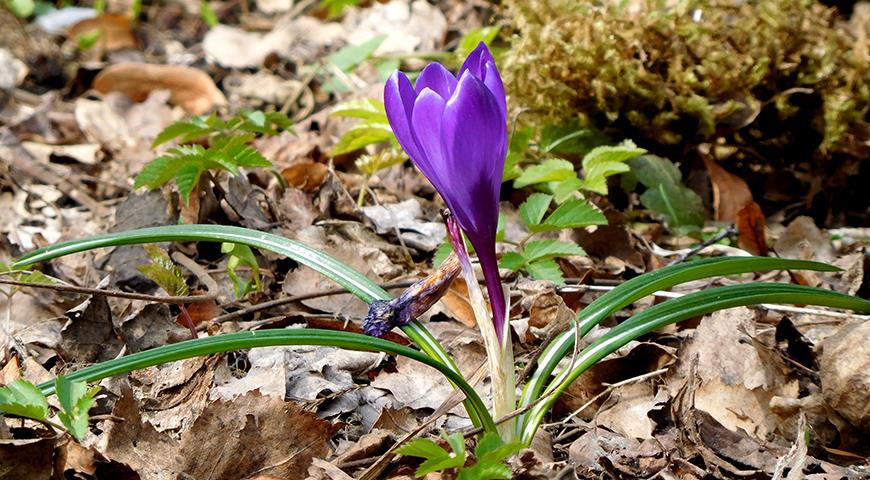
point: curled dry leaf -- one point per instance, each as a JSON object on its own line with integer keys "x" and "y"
{"x": 305, "y": 175}
{"x": 845, "y": 373}
{"x": 191, "y": 89}
{"x": 750, "y": 230}
{"x": 114, "y": 31}
{"x": 730, "y": 192}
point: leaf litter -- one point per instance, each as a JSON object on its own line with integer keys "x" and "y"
{"x": 731, "y": 394}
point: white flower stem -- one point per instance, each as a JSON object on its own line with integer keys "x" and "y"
{"x": 500, "y": 357}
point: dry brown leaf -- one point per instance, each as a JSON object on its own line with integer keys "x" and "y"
{"x": 750, "y": 230}
{"x": 191, "y": 89}
{"x": 114, "y": 29}
{"x": 253, "y": 435}
{"x": 730, "y": 192}
{"x": 457, "y": 302}
{"x": 845, "y": 373}
{"x": 305, "y": 175}
{"x": 26, "y": 459}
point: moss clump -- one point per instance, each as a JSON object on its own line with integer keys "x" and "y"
{"x": 769, "y": 76}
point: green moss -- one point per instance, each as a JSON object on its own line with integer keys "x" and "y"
{"x": 694, "y": 72}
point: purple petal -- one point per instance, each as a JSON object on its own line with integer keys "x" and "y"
{"x": 399, "y": 97}
{"x": 437, "y": 78}
{"x": 426, "y": 127}
{"x": 481, "y": 64}
{"x": 475, "y": 142}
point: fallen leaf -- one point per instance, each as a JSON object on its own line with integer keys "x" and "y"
{"x": 730, "y": 192}
{"x": 750, "y": 230}
{"x": 191, "y": 89}
{"x": 12, "y": 70}
{"x": 408, "y": 26}
{"x": 249, "y": 436}
{"x": 305, "y": 175}
{"x": 407, "y": 218}
{"x": 458, "y": 304}
{"x": 301, "y": 39}
{"x": 115, "y": 31}
{"x": 26, "y": 459}
{"x": 845, "y": 373}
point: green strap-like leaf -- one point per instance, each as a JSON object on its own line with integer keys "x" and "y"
{"x": 352, "y": 280}
{"x": 676, "y": 310}
{"x": 639, "y": 287}
{"x": 266, "y": 338}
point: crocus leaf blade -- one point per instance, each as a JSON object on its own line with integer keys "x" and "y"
{"x": 682, "y": 308}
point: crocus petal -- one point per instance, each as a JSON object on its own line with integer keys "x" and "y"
{"x": 493, "y": 82}
{"x": 426, "y": 125}
{"x": 475, "y": 142}
{"x": 399, "y": 97}
{"x": 481, "y": 64}
{"x": 437, "y": 78}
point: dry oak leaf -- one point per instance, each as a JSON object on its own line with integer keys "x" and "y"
{"x": 191, "y": 89}
{"x": 114, "y": 30}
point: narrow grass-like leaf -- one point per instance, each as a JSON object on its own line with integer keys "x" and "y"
{"x": 268, "y": 338}
{"x": 639, "y": 287}
{"x": 352, "y": 280}
{"x": 678, "y": 309}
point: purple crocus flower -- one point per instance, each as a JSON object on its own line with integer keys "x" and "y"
{"x": 454, "y": 128}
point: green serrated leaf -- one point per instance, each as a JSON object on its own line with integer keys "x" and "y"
{"x": 185, "y": 130}
{"x": 441, "y": 253}
{"x": 486, "y": 471}
{"x": 534, "y": 208}
{"x": 76, "y": 400}
{"x": 550, "y": 248}
{"x": 242, "y": 255}
{"x": 456, "y": 442}
{"x": 371, "y": 164}
{"x": 552, "y": 170}
{"x": 365, "y": 109}
{"x": 335, "y": 8}
{"x": 566, "y": 189}
{"x": 186, "y": 179}
{"x": 471, "y": 39}
{"x": 576, "y": 213}
{"x": 362, "y": 134}
{"x": 164, "y": 272}
{"x": 423, "y": 448}
{"x": 209, "y": 17}
{"x": 23, "y": 399}
{"x": 347, "y": 58}
{"x": 605, "y": 161}
{"x": 512, "y": 261}
{"x": 682, "y": 208}
{"x": 21, "y": 8}
{"x": 546, "y": 270}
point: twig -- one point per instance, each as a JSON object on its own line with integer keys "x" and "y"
{"x": 375, "y": 471}
{"x": 731, "y": 230}
{"x": 609, "y": 388}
